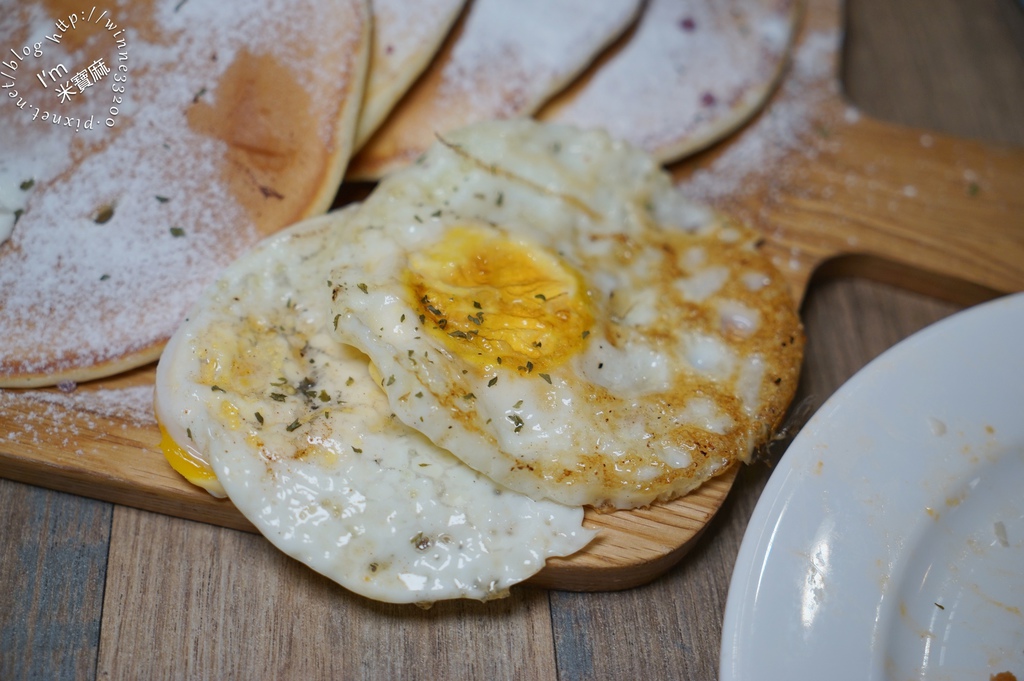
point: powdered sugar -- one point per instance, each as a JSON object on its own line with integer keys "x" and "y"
{"x": 784, "y": 127}
{"x": 503, "y": 60}
{"x": 406, "y": 35}
{"x": 132, "y": 405}
{"x": 401, "y": 27}
{"x": 124, "y": 225}
{"x": 685, "y": 76}
{"x": 511, "y": 55}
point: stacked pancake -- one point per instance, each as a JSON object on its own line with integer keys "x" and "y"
{"x": 232, "y": 121}
{"x": 226, "y": 136}
{"x": 237, "y": 123}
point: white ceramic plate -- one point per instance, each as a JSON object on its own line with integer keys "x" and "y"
{"x": 889, "y": 543}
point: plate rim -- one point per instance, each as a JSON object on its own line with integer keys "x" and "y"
{"x": 790, "y": 479}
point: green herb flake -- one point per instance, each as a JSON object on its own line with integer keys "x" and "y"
{"x": 517, "y": 405}
{"x": 586, "y": 333}
{"x": 546, "y": 377}
{"x": 516, "y": 421}
{"x": 259, "y": 417}
{"x": 277, "y": 397}
{"x": 492, "y": 382}
{"x": 103, "y": 215}
{"x": 336, "y": 318}
{"x": 104, "y": 277}
{"x": 357, "y": 450}
{"x": 500, "y": 200}
{"x": 363, "y": 288}
{"x": 294, "y": 425}
{"x": 217, "y": 389}
{"x": 17, "y": 215}
{"x": 421, "y": 541}
{"x": 541, "y": 296}
{"x": 419, "y": 394}
{"x": 469, "y": 396}
{"x": 177, "y": 232}
{"x": 350, "y": 381}
{"x": 477, "y": 305}
{"x": 323, "y": 396}
{"x": 27, "y": 184}
{"x": 188, "y": 431}
{"x": 162, "y": 199}
{"x": 391, "y": 379}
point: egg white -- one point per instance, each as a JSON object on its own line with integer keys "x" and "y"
{"x": 664, "y": 347}
{"x": 306, "y": 446}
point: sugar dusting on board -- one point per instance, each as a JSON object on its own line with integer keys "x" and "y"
{"x": 39, "y": 417}
{"x": 790, "y": 124}
{"x": 132, "y": 405}
{"x": 122, "y": 226}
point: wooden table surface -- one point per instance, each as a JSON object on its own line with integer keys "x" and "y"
{"x": 90, "y": 589}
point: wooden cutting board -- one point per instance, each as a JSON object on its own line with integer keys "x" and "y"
{"x": 832, "y": 190}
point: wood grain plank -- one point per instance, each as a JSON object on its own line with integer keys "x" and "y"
{"x": 53, "y": 563}
{"x": 229, "y": 605}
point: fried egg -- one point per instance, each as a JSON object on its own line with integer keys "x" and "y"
{"x": 541, "y": 302}
{"x": 260, "y": 400}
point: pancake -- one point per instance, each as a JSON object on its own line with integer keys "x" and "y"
{"x": 501, "y": 60}
{"x": 227, "y": 122}
{"x": 692, "y": 72}
{"x": 406, "y": 36}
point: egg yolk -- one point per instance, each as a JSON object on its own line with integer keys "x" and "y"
{"x": 492, "y": 300}
{"x": 189, "y": 465}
